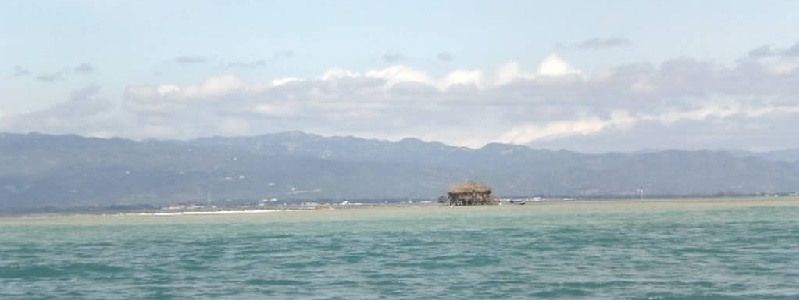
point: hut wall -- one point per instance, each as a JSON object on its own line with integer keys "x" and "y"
{"x": 468, "y": 199}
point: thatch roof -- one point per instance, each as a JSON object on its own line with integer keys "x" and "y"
{"x": 469, "y": 187}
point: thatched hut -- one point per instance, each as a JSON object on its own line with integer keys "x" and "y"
{"x": 470, "y": 193}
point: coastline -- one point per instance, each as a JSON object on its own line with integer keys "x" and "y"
{"x": 399, "y": 209}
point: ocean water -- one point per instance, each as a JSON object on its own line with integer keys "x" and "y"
{"x": 619, "y": 250}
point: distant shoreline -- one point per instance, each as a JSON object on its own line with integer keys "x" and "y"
{"x": 550, "y": 205}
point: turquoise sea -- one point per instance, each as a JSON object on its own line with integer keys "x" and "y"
{"x": 615, "y": 250}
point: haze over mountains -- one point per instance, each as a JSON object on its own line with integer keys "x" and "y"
{"x": 38, "y": 170}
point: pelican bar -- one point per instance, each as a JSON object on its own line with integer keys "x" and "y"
{"x": 470, "y": 193}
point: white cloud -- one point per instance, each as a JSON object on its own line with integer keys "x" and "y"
{"x": 782, "y": 67}
{"x": 553, "y": 65}
{"x": 507, "y": 73}
{"x": 167, "y": 89}
{"x": 643, "y": 85}
{"x": 462, "y": 77}
{"x": 528, "y": 133}
{"x": 554, "y": 101}
{"x": 333, "y": 74}
{"x": 275, "y": 110}
{"x": 398, "y": 73}
{"x": 531, "y": 132}
{"x": 157, "y": 131}
{"x": 545, "y": 105}
{"x": 722, "y": 111}
{"x": 285, "y": 80}
{"x": 214, "y": 87}
{"x": 234, "y": 127}
{"x": 168, "y": 98}
{"x": 82, "y": 113}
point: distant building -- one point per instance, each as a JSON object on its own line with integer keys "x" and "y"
{"x": 469, "y": 193}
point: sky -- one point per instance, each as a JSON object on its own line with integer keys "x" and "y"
{"x": 588, "y": 76}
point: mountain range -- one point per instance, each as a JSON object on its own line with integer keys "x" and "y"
{"x": 57, "y": 171}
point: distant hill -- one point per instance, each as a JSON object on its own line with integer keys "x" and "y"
{"x": 789, "y": 155}
{"x": 38, "y": 170}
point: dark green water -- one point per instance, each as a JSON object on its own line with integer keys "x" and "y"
{"x": 533, "y": 252}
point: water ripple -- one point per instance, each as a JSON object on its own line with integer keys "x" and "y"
{"x": 525, "y": 253}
